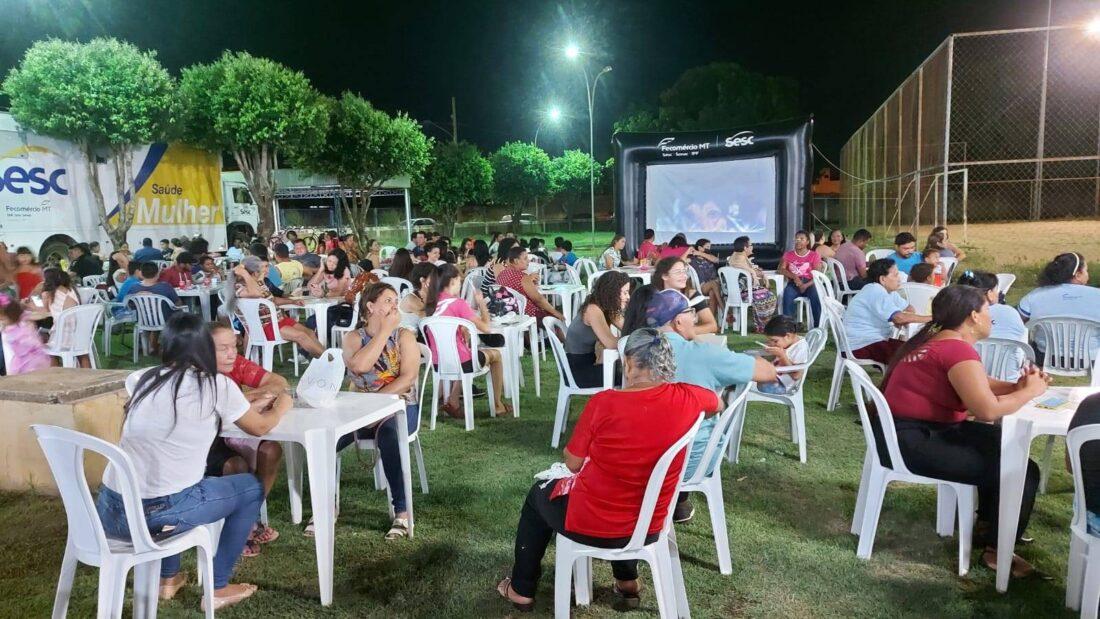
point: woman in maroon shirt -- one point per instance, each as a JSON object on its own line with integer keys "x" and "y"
{"x": 936, "y": 381}
{"x": 621, "y": 434}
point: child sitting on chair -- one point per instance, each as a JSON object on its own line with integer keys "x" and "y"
{"x": 923, "y": 273}
{"x": 788, "y": 348}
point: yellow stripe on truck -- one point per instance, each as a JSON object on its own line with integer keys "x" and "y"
{"x": 184, "y": 189}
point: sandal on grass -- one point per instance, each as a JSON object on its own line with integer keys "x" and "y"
{"x": 398, "y": 530}
{"x": 251, "y": 548}
{"x": 627, "y": 601}
{"x": 504, "y": 586}
{"x": 264, "y": 534}
{"x": 309, "y": 530}
{"x": 174, "y": 584}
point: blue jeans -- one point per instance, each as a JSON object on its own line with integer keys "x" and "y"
{"x": 791, "y": 292}
{"x": 385, "y": 438}
{"x": 236, "y": 498}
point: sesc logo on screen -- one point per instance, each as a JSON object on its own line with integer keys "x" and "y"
{"x": 740, "y": 139}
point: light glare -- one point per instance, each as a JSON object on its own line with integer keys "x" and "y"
{"x": 1093, "y": 27}
{"x": 554, "y": 114}
{"x": 572, "y": 51}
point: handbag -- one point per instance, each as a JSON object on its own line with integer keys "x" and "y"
{"x": 501, "y": 302}
{"x": 360, "y": 284}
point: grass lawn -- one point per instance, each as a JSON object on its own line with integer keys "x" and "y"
{"x": 788, "y": 526}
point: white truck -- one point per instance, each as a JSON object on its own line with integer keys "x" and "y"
{"x": 46, "y": 202}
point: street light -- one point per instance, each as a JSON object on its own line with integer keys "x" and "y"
{"x": 1092, "y": 28}
{"x": 573, "y": 52}
{"x": 552, "y": 115}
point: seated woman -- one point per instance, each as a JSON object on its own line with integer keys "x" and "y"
{"x": 381, "y": 357}
{"x": 498, "y": 264}
{"x": 516, "y": 277}
{"x": 412, "y": 306}
{"x": 401, "y": 265}
{"x": 28, "y": 275}
{"x": 634, "y": 316}
{"x": 673, "y": 273}
{"x": 1063, "y": 291}
{"x": 677, "y": 247}
{"x": 946, "y": 247}
{"x": 612, "y": 257}
{"x": 602, "y": 309}
{"x": 619, "y": 438}
{"x": 443, "y": 300}
{"x": 231, "y": 456}
{"x": 706, "y": 268}
{"x": 797, "y": 266}
{"x": 935, "y": 384}
{"x": 1007, "y": 324}
{"x": 246, "y": 281}
{"x": 332, "y": 281}
{"x": 874, "y": 312}
{"x": 762, "y": 298}
{"x": 172, "y": 418}
{"x": 823, "y": 249}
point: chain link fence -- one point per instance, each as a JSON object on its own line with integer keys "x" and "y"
{"x": 992, "y": 126}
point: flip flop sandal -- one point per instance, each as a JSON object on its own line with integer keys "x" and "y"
{"x": 626, "y": 601}
{"x": 398, "y": 530}
{"x": 169, "y": 591}
{"x": 229, "y": 600}
{"x": 308, "y": 532}
{"x": 251, "y": 549}
{"x": 265, "y": 535}
{"x": 502, "y": 589}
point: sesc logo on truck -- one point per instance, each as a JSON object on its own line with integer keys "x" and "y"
{"x": 35, "y": 180}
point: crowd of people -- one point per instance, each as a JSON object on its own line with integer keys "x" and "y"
{"x": 935, "y": 383}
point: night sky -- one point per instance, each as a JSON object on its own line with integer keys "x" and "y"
{"x": 503, "y": 61}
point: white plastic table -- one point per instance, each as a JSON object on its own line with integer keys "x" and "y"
{"x": 309, "y": 437}
{"x": 1017, "y": 432}
{"x": 513, "y": 333}
{"x": 567, "y": 292}
{"x": 319, "y": 306}
{"x": 203, "y": 294}
{"x": 644, "y": 275}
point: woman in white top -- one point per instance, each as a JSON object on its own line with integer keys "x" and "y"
{"x": 1063, "y": 291}
{"x": 612, "y": 257}
{"x": 672, "y": 273}
{"x": 58, "y": 296}
{"x": 175, "y": 411}
{"x": 412, "y": 305}
{"x": 1007, "y": 324}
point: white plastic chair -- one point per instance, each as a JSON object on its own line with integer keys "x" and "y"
{"x": 567, "y": 385}
{"x": 835, "y": 311}
{"x": 401, "y": 285}
{"x": 257, "y": 345}
{"x": 93, "y": 280}
{"x": 1002, "y": 357}
{"x": 875, "y": 254}
{"x": 693, "y": 277}
{"x": 149, "y": 316}
{"x": 88, "y": 543}
{"x": 444, "y": 332}
{"x": 91, "y": 295}
{"x": 1067, "y": 343}
{"x": 839, "y": 276}
{"x": 1004, "y": 282}
{"x": 593, "y": 277}
{"x": 75, "y": 335}
{"x": 919, "y": 296}
{"x": 380, "y": 273}
{"x": 387, "y": 252}
{"x": 793, "y": 400}
{"x": 949, "y": 265}
{"x": 1083, "y": 573}
{"x": 573, "y": 560}
{"x": 707, "y": 477}
{"x": 338, "y": 332}
{"x": 730, "y": 279}
{"x": 585, "y": 267}
{"x": 472, "y": 283}
{"x": 876, "y": 477}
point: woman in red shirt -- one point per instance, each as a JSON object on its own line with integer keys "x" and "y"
{"x": 515, "y": 276}
{"x": 618, "y": 440}
{"x": 936, "y": 382}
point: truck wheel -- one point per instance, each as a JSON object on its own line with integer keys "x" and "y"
{"x": 53, "y": 251}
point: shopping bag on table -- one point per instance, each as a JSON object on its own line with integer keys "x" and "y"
{"x": 322, "y": 379}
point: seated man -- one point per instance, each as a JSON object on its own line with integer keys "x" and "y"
{"x": 853, "y": 257}
{"x": 310, "y": 261}
{"x": 179, "y": 274}
{"x": 83, "y": 263}
{"x": 873, "y": 313}
{"x": 230, "y": 456}
{"x": 905, "y": 256}
{"x": 700, "y": 364}
{"x": 147, "y": 251}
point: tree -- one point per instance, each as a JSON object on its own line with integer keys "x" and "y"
{"x": 716, "y": 96}
{"x": 570, "y": 175}
{"x": 457, "y": 175}
{"x": 366, "y": 147}
{"x": 255, "y": 109}
{"x": 105, "y": 96}
{"x": 521, "y": 173}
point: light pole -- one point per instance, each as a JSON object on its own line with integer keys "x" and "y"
{"x": 573, "y": 52}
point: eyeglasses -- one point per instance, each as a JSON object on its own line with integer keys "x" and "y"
{"x": 677, "y": 272}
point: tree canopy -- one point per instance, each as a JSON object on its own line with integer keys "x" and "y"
{"x": 521, "y": 173}
{"x": 101, "y": 95}
{"x": 457, "y": 175}
{"x": 570, "y": 176}
{"x": 364, "y": 148}
{"x": 256, "y": 109}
